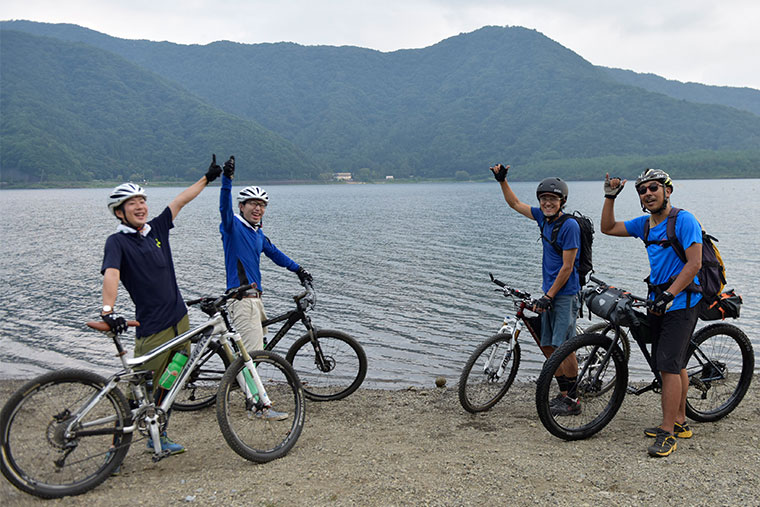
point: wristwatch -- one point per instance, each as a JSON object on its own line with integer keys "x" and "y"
{"x": 107, "y": 309}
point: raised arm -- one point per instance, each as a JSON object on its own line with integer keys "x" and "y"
{"x": 191, "y": 192}
{"x": 608, "y": 224}
{"x": 500, "y": 173}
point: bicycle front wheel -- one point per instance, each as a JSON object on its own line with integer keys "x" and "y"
{"x": 599, "y": 389}
{"x": 720, "y": 366}
{"x": 331, "y": 372}
{"x": 488, "y": 373}
{"x": 39, "y": 456}
{"x": 203, "y": 384}
{"x": 625, "y": 342}
{"x": 256, "y": 435}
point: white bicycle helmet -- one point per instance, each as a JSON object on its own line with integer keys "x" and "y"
{"x": 253, "y": 192}
{"x": 122, "y": 193}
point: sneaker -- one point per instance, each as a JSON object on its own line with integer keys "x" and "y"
{"x": 664, "y": 444}
{"x": 566, "y": 406}
{"x": 116, "y": 471}
{"x": 679, "y": 430}
{"x": 556, "y": 400}
{"x": 270, "y": 414}
{"x": 167, "y": 444}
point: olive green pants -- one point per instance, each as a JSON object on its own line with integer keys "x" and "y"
{"x": 150, "y": 342}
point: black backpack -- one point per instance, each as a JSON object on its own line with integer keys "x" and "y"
{"x": 712, "y": 275}
{"x": 585, "y": 265}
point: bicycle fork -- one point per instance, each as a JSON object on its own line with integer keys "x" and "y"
{"x": 512, "y": 327}
{"x": 248, "y": 378}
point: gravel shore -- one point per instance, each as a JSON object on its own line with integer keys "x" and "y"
{"x": 417, "y": 446}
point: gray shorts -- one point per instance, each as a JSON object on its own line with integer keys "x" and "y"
{"x": 558, "y": 324}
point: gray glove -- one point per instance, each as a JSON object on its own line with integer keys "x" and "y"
{"x": 609, "y": 191}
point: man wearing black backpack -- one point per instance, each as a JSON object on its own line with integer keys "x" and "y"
{"x": 674, "y": 292}
{"x": 560, "y": 303}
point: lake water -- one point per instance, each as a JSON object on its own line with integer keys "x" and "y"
{"x": 402, "y": 267}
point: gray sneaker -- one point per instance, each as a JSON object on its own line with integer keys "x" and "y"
{"x": 270, "y": 414}
{"x": 566, "y": 406}
{"x": 556, "y": 400}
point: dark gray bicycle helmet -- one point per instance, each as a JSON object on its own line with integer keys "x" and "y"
{"x": 553, "y": 186}
{"x": 654, "y": 175}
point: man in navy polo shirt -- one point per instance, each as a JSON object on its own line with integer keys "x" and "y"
{"x": 139, "y": 255}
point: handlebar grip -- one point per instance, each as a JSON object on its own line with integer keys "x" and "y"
{"x": 596, "y": 280}
{"x": 99, "y": 325}
{"x": 193, "y": 301}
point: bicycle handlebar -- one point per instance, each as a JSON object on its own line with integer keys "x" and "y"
{"x": 99, "y": 325}
{"x": 639, "y": 299}
{"x": 509, "y": 291}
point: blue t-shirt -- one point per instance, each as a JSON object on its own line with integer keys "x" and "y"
{"x": 147, "y": 272}
{"x": 664, "y": 263}
{"x": 568, "y": 237}
{"x": 243, "y": 245}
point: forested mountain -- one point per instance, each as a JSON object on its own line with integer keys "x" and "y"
{"x": 496, "y": 94}
{"x": 74, "y": 113}
{"x": 747, "y": 99}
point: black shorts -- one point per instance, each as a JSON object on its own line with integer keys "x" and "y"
{"x": 671, "y": 333}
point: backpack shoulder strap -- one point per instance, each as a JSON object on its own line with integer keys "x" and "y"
{"x": 671, "y": 234}
{"x": 555, "y": 231}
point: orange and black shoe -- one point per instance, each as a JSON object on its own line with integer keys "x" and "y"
{"x": 679, "y": 430}
{"x": 664, "y": 444}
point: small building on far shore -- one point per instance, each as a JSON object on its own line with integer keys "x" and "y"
{"x": 342, "y": 176}
{"x": 389, "y": 177}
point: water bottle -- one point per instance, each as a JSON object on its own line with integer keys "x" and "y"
{"x": 172, "y": 371}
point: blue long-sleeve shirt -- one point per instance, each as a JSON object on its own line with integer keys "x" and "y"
{"x": 243, "y": 244}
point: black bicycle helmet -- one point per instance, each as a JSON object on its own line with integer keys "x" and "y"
{"x": 654, "y": 175}
{"x": 552, "y": 186}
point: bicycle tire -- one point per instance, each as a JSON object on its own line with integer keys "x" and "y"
{"x": 598, "y": 405}
{"x": 256, "y": 438}
{"x": 32, "y": 440}
{"x": 625, "y": 342}
{"x": 344, "y": 357}
{"x": 731, "y": 357}
{"x": 200, "y": 390}
{"x": 480, "y": 386}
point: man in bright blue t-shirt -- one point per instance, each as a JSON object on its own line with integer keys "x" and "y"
{"x": 673, "y": 290}
{"x": 560, "y": 303}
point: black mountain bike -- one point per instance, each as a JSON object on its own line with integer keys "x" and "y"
{"x": 720, "y": 367}
{"x": 330, "y": 364}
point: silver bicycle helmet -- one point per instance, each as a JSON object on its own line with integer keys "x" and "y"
{"x": 122, "y": 193}
{"x": 654, "y": 175}
{"x": 253, "y": 192}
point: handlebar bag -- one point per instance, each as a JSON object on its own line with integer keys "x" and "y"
{"x": 611, "y": 304}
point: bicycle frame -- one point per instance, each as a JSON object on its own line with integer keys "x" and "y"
{"x": 217, "y": 325}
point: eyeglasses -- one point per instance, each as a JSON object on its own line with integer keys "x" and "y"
{"x": 548, "y": 198}
{"x": 255, "y": 204}
{"x": 652, "y": 187}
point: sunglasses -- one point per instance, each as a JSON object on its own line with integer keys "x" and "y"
{"x": 652, "y": 187}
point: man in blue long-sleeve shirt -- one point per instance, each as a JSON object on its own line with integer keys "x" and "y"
{"x": 244, "y": 242}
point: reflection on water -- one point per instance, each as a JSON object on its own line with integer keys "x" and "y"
{"x": 403, "y": 268}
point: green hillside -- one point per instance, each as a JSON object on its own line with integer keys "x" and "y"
{"x": 496, "y": 94}
{"x": 74, "y": 113}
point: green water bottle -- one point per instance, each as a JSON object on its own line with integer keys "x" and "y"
{"x": 172, "y": 371}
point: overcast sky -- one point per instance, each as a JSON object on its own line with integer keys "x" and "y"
{"x": 711, "y": 42}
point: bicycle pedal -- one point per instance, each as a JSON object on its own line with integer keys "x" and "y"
{"x": 158, "y": 457}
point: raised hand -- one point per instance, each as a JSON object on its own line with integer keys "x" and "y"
{"x": 213, "y": 170}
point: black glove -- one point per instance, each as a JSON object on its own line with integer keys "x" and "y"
{"x": 229, "y": 167}
{"x": 544, "y": 303}
{"x": 661, "y": 303}
{"x": 115, "y": 321}
{"x": 213, "y": 170}
{"x": 609, "y": 192}
{"x": 500, "y": 172}
{"x": 303, "y": 275}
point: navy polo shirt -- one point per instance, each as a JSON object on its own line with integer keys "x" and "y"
{"x": 147, "y": 272}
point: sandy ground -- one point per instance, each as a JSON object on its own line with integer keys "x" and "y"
{"x": 417, "y": 446}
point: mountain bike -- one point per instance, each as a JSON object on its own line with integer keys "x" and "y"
{"x": 491, "y": 368}
{"x": 330, "y": 364}
{"x": 65, "y": 432}
{"x": 720, "y": 367}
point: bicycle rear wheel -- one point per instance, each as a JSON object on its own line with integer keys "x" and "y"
{"x": 488, "y": 373}
{"x": 200, "y": 390}
{"x": 248, "y": 432}
{"x": 340, "y": 371}
{"x": 38, "y": 456}
{"x": 720, "y": 366}
{"x": 600, "y": 387}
